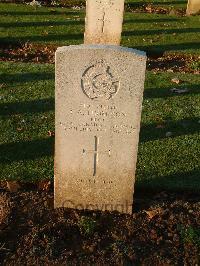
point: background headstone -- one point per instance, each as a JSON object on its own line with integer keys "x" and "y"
{"x": 104, "y": 21}
{"x": 99, "y": 92}
{"x": 193, "y": 7}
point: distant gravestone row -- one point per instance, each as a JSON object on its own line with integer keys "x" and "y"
{"x": 99, "y": 92}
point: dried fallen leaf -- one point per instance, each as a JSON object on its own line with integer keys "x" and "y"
{"x": 148, "y": 9}
{"x": 45, "y": 32}
{"x": 44, "y": 185}
{"x": 153, "y": 213}
{"x": 175, "y": 80}
{"x": 115, "y": 236}
{"x": 13, "y": 186}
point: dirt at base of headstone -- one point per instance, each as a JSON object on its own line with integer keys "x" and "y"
{"x": 163, "y": 230}
{"x": 32, "y": 53}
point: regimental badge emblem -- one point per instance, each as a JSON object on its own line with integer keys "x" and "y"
{"x": 100, "y": 81}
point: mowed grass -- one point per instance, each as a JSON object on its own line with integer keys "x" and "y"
{"x": 27, "y": 95}
{"x": 154, "y": 33}
{"x": 27, "y": 121}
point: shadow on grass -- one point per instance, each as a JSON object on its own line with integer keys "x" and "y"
{"x": 38, "y": 13}
{"x": 27, "y": 150}
{"x": 41, "y": 24}
{"x": 74, "y": 22}
{"x": 26, "y": 77}
{"x": 41, "y": 38}
{"x": 35, "y": 106}
{"x": 79, "y": 36}
{"x": 158, "y": 20}
{"x": 178, "y": 182}
{"x": 170, "y": 3}
{"x": 158, "y": 50}
{"x": 137, "y": 4}
{"x": 160, "y": 31}
{"x": 178, "y": 128}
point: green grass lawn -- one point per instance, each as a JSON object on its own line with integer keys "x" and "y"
{"x": 27, "y": 114}
{"x": 59, "y": 26}
{"x": 27, "y": 95}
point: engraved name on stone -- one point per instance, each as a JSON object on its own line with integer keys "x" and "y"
{"x": 94, "y": 119}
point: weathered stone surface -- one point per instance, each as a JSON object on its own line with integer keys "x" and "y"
{"x": 104, "y": 21}
{"x": 193, "y": 7}
{"x": 99, "y": 92}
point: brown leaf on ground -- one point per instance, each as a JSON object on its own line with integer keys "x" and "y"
{"x": 148, "y": 9}
{"x": 44, "y": 185}
{"x": 13, "y": 186}
{"x": 175, "y": 80}
{"x": 45, "y": 33}
{"x": 152, "y": 213}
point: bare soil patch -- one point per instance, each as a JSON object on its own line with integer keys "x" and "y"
{"x": 28, "y": 52}
{"x": 163, "y": 230}
{"x": 136, "y": 7}
{"x": 155, "y": 9}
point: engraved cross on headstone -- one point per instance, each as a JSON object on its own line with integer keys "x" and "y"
{"x": 96, "y": 152}
{"x": 104, "y": 21}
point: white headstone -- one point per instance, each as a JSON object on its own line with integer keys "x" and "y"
{"x": 104, "y": 21}
{"x": 99, "y": 92}
{"x": 193, "y": 7}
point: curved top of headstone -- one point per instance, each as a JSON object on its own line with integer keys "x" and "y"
{"x": 103, "y": 21}
{"x": 101, "y": 46}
